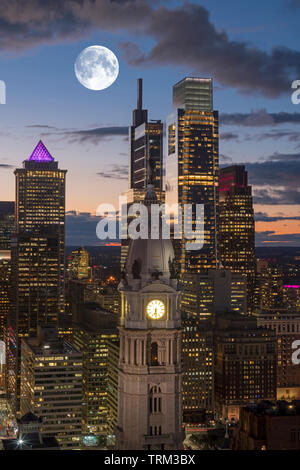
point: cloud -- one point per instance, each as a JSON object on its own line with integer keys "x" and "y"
{"x": 276, "y": 179}
{"x": 41, "y": 126}
{"x": 268, "y": 237}
{"x": 94, "y": 136}
{"x": 274, "y": 135}
{"x": 186, "y": 36}
{"x": 276, "y": 170}
{"x": 263, "y": 217}
{"x": 259, "y": 118}
{"x": 283, "y": 157}
{"x": 229, "y": 136}
{"x": 81, "y": 229}
{"x": 117, "y": 172}
{"x": 276, "y": 196}
{"x": 182, "y": 36}
{"x": 5, "y": 166}
{"x": 294, "y": 3}
{"x": 225, "y": 159}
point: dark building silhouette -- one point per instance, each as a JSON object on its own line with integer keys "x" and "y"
{"x": 269, "y": 426}
{"x": 7, "y": 219}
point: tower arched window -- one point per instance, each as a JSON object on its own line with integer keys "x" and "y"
{"x": 154, "y": 354}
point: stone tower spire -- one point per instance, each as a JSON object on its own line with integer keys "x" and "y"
{"x": 149, "y": 405}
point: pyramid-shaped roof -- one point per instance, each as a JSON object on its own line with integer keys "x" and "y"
{"x": 40, "y": 154}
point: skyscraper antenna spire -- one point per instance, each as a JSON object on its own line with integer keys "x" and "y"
{"x": 139, "y": 93}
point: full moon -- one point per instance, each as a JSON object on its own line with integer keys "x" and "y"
{"x": 96, "y": 67}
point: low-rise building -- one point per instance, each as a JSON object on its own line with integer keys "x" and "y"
{"x": 269, "y": 426}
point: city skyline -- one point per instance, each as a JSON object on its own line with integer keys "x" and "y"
{"x": 150, "y": 240}
{"x": 258, "y": 122}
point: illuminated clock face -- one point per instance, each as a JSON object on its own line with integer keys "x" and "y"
{"x": 155, "y": 309}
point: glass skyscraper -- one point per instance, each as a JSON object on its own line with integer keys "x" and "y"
{"x": 192, "y": 165}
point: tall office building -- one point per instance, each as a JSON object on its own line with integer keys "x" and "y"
{"x": 198, "y": 370}
{"x": 51, "y": 385}
{"x": 145, "y": 159}
{"x": 93, "y": 328}
{"x": 146, "y": 148}
{"x": 236, "y": 226}
{"x": 192, "y": 166}
{"x": 37, "y": 255}
{"x": 149, "y": 399}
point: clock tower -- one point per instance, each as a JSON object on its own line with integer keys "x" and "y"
{"x": 149, "y": 391}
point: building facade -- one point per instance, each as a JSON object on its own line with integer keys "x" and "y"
{"x": 245, "y": 363}
{"x": 7, "y": 221}
{"x": 269, "y": 426}
{"x": 198, "y": 370}
{"x": 7, "y": 217}
{"x": 51, "y": 385}
{"x": 269, "y": 282}
{"x": 93, "y": 329}
{"x": 286, "y": 326}
{"x": 204, "y": 295}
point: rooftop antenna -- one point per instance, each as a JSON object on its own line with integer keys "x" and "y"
{"x": 139, "y": 93}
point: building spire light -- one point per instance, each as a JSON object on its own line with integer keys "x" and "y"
{"x": 40, "y": 154}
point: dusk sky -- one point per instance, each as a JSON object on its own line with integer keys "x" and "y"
{"x": 250, "y": 49}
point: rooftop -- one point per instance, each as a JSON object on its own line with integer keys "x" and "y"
{"x": 47, "y": 342}
{"x": 278, "y": 408}
{"x": 96, "y": 319}
{"x": 40, "y": 154}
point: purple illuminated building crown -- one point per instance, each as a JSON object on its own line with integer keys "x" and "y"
{"x": 40, "y": 154}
